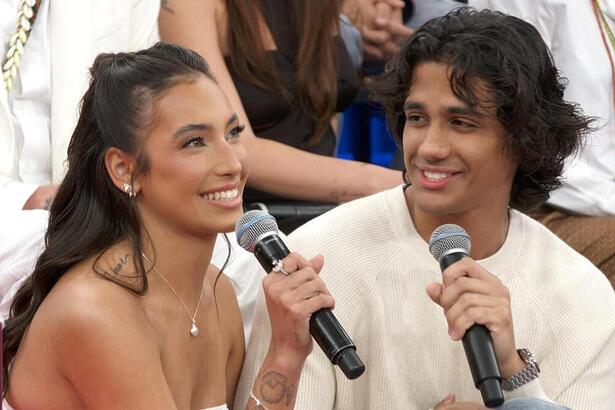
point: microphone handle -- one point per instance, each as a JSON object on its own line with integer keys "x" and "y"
{"x": 270, "y": 249}
{"x": 480, "y": 353}
{"x": 483, "y": 363}
{"x": 324, "y": 326}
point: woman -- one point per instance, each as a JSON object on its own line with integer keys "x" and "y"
{"x": 286, "y": 73}
{"x": 123, "y": 309}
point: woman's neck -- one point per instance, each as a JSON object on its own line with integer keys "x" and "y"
{"x": 180, "y": 258}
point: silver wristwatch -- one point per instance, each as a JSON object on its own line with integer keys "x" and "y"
{"x": 525, "y": 375}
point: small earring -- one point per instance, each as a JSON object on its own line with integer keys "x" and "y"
{"x": 129, "y": 189}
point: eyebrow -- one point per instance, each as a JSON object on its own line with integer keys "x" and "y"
{"x": 231, "y": 120}
{"x": 200, "y": 127}
{"x": 464, "y": 110}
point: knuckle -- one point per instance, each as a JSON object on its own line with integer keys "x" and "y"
{"x": 325, "y": 301}
{"x": 474, "y": 313}
{"x": 285, "y": 300}
{"x": 462, "y": 283}
{"x": 295, "y": 311}
{"x": 459, "y": 326}
{"x": 465, "y": 262}
{"x": 309, "y": 272}
{"x": 319, "y": 283}
{"x": 269, "y": 286}
{"x": 466, "y": 299}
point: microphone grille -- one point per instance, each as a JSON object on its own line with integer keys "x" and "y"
{"x": 251, "y": 226}
{"x": 447, "y": 237}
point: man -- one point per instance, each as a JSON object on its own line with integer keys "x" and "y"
{"x": 477, "y": 105}
{"x": 582, "y": 210}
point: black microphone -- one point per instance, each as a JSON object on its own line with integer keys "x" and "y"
{"x": 257, "y": 232}
{"x": 448, "y": 244}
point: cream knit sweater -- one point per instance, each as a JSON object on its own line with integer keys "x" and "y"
{"x": 377, "y": 268}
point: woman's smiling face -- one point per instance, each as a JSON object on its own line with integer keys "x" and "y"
{"x": 196, "y": 160}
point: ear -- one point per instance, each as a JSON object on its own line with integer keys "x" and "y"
{"x": 120, "y": 167}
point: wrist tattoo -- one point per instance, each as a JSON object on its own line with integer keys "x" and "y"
{"x": 164, "y": 5}
{"x": 275, "y": 388}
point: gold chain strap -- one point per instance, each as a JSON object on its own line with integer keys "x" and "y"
{"x": 10, "y": 64}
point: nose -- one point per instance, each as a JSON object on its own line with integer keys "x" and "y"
{"x": 230, "y": 158}
{"x": 434, "y": 144}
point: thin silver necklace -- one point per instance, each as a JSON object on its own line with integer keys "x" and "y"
{"x": 194, "y": 330}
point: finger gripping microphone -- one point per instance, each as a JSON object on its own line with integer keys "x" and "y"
{"x": 448, "y": 244}
{"x": 257, "y": 232}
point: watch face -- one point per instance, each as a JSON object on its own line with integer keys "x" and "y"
{"x": 529, "y": 358}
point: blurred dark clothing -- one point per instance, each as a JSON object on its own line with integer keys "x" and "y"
{"x": 276, "y": 118}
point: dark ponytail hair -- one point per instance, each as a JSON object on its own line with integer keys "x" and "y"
{"x": 89, "y": 214}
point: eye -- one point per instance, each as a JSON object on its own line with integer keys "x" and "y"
{"x": 195, "y": 142}
{"x": 415, "y": 119}
{"x": 463, "y": 124}
{"x": 236, "y": 132}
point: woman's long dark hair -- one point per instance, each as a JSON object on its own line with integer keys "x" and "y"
{"x": 89, "y": 214}
{"x": 316, "y": 60}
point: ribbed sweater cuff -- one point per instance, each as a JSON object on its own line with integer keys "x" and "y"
{"x": 531, "y": 389}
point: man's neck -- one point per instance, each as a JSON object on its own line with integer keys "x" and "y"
{"x": 488, "y": 228}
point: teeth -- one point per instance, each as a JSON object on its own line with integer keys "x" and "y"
{"x": 223, "y": 195}
{"x": 435, "y": 176}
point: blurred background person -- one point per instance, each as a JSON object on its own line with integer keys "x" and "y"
{"x": 287, "y": 72}
{"x": 46, "y": 49}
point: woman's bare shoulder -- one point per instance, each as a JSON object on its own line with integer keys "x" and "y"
{"x": 99, "y": 283}
{"x": 92, "y": 295}
{"x": 96, "y": 326}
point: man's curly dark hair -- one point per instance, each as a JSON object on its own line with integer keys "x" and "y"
{"x": 510, "y": 57}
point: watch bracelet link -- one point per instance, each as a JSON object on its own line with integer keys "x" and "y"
{"x": 527, "y": 374}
